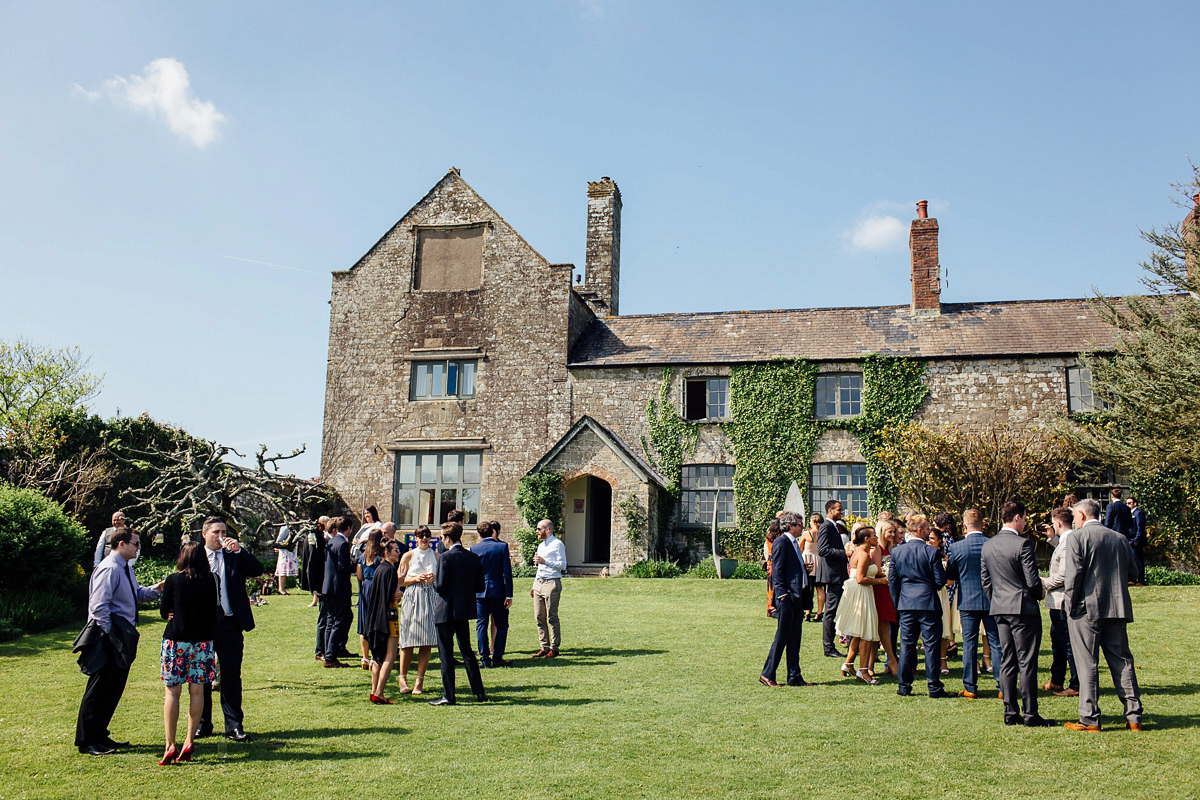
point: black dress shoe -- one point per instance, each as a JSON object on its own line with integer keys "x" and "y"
{"x": 442, "y": 701}
{"x": 500, "y": 662}
{"x": 833, "y": 653}
{"x": 237, "y": 735}
{"x": 904, "y": 692}
{"x": 481, "y": 697}
{"x": 114, "y": 744}
{"x": 203, "y": 732}
{"x": 800, "y": 682}
{"x": 942, "y": 693}
{"x": 96, "y": 750}
{"x": 1012, "y": 720}
{"x": 1039, "y": 722}
{"x": 344, "y": 653}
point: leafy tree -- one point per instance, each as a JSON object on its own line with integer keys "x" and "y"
{"x": 954, "y": 469}
{"x": 1149, "y": 378}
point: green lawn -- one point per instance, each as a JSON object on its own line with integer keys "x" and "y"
{"x": 655, "y": 695}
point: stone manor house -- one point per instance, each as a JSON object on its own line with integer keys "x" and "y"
{"x": 460, "y": 360}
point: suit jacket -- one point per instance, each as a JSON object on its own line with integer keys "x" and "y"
{"x": 238, "y": 567}
{"x": 963, "y": 564}
{"x": 338, "y": 568}
{"x": 1010, "y": 575}
{"x": 1118, "y": 518}
{"x": 497, "y": 568}
{"x": 831, "y": 566}
{"x": 1138, "y": 537}
{"x": 788, "y": 575}
{"x": 459, "y": 580}
{"x": 915, "y": 576}
{"x": 1099, "y": 562}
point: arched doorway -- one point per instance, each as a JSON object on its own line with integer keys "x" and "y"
{"x": 587, "y": 522}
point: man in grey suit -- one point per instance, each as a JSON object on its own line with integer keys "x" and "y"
{"x": 831, "y": 570}
{"x": 1011, "y": 583}
{"x": 1099, "y": 562}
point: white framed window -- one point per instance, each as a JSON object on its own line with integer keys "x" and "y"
{"x": 429, "y": 485}
{"x": 705, "y": 487}
{"x": 846, "y": 483}
{"x": 838, "y": 395}
{"x": 1080, "y": 397}
{"x": 706, "y": 398}
{"x": 441, "y": 380}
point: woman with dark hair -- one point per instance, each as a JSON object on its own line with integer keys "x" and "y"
{"x": 189, "y": 604}
{"x": 365, "y": 572}
{"x": 383, "y": 620}
{"x": 417, "y": 570}
{"x": 857, "y": 618}
{"x": 939, "y": 538}
{"x": 809, "y": 540}
{"x": 370, "y": 523}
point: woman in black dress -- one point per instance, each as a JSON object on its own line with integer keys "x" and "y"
{"x": 189, "y": 605}
{"x": 383, "y": 621}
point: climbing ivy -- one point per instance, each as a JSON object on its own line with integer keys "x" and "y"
{"x": 539, "y": 496}
{"x": 671, "y": 438}
{"x": 635, "y": 518}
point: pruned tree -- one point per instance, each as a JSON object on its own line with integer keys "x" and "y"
{"x": 1148, "y": 380}
{"x": 952, "y": 469}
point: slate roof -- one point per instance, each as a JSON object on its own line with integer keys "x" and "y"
{"x": 639, "y": 465}
{"x": 962, "y": 330}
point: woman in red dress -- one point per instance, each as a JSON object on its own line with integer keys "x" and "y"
{"x": 773, "y": 532}
{"x": 883, "y": 595}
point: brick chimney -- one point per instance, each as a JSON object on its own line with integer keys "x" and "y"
{"x": 1190, "y": 232}
{"x": 923, "y": 245}
{"x": 603, "y": 261}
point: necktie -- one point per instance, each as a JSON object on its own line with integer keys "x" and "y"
{"x": 132, "y": 591}
{"x": 216, "y": 571}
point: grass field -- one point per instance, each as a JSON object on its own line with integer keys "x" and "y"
{"x": 655, "y": 695}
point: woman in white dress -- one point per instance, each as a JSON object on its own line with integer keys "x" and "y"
{"x": 370, "y": 523}
{"x": 417, "y": 569}
{"x": 285, "y": 564}
{"x": 857, "y": 618}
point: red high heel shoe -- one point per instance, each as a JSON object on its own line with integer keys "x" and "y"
{"x": 185, "y": 755}
{"x": 169, "y": 756}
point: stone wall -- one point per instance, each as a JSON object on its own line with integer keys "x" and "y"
{"x": 975, "y": 392}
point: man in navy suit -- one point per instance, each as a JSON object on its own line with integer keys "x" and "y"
{"x": 231, "y": 564}
{"x": 496, "y": 598}
{"x": 963, "y": 565}
{"x": 788, "y": 581}
{"x": 1138, "y": 540}
{"x": 915, "y": 576}
{"x": 1118, "y": 517}
{"x": 832, "y": 571}
{"x": 335, "y": 593}
{"x": 459, "y": 579}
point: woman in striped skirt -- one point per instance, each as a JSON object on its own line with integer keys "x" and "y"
{"x": 417, "y": 570}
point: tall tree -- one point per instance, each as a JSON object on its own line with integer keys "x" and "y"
{"x": 1149, "y": 379}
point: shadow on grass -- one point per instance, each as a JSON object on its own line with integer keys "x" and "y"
{"x": 584, "y": 655}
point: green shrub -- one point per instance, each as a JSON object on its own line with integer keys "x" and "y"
{"x": 527, "y": 543}
{"x": 150, "y": 569}
{"x": 524, "y": 571}
{"x": 1161, "y": 576}
{"x": 653, "y": 569}
{"x": 40, "y": 546}
{"x": 8, "y": 630}
{"x": 750, "y": 571}
{"x": 34, "y": 610}
{"x": 704, "y": 569}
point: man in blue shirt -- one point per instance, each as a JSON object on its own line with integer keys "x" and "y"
{"x": 113, "y": 598}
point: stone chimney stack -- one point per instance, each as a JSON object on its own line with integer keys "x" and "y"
{"x": 603, "y": 261}
{"x": 923, "y": 245}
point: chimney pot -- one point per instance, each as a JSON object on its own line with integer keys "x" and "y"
{"x": 922, "y": 209}
{"x": 926, "y": 270}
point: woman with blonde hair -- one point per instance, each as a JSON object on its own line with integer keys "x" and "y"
{"x": 886, "y": 609}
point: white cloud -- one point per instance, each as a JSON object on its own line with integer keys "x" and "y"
{"x": 163, "y": 91}
{"x": 877, "y": 232}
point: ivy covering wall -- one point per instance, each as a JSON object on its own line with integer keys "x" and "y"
{"x": 774, "y": 433}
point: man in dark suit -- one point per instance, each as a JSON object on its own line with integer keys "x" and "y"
{"x": 459, "y": 579}
{"x": 1096, "y": 592}
{"x": 1118, "y": 516}
{"x": 1138, "y": 540}
{"x": 493, "y": 602}
{"x": 1011, "y": 582}
{"x": 231, "y": 565}
{"x": 314, "y": 568}
{"x": 963, "y": 564}
{"x": 914, "y": 578}
{"x": 832, "y": 571}
{"x": 335, "y": 594}
{"x": 788, "y": 582}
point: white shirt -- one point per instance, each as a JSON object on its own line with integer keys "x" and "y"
{"x": 216, "y": 563}
{"x": 554, "y": 552}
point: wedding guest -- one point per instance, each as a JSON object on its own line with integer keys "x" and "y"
{"x": 364, "y": 570}
{"x": 285, "y": 559}
{"x": 189, "y": 604}
{"x": 857, "y": 618}
{"x": 313, "y": 566}
{"x": 772, "y": 535}
{"x": 884, "y": 607}
{"x": 370, "y": 523}
{"x": 1060, "y": 640}
{"x": 383, "y": 620}
{"x": 809, "y": 539}
{"x": 417, "y": 570}
{"x": 950, "y": 623}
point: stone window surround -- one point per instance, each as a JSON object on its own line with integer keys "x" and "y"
{"x": 851, "y": 370}
{"x": 415, "y": 229}
{"x": 426, "y": 354}
{"x": 459, "y": 449}
{"x": 462, "y": 372}
{"x": 726, "y": 497}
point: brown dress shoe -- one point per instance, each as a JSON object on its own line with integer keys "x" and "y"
{"x": 1066, "y": 693}
{"x": 1079, "y": 726}
{"x": 1051, "y": 687}
{"x": 765, "y": 681}
{"x": 968, "y": 695}
{"x": 1136, "y": 727}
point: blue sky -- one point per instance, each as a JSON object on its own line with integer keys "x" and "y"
{"x": 180, "y": 179}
